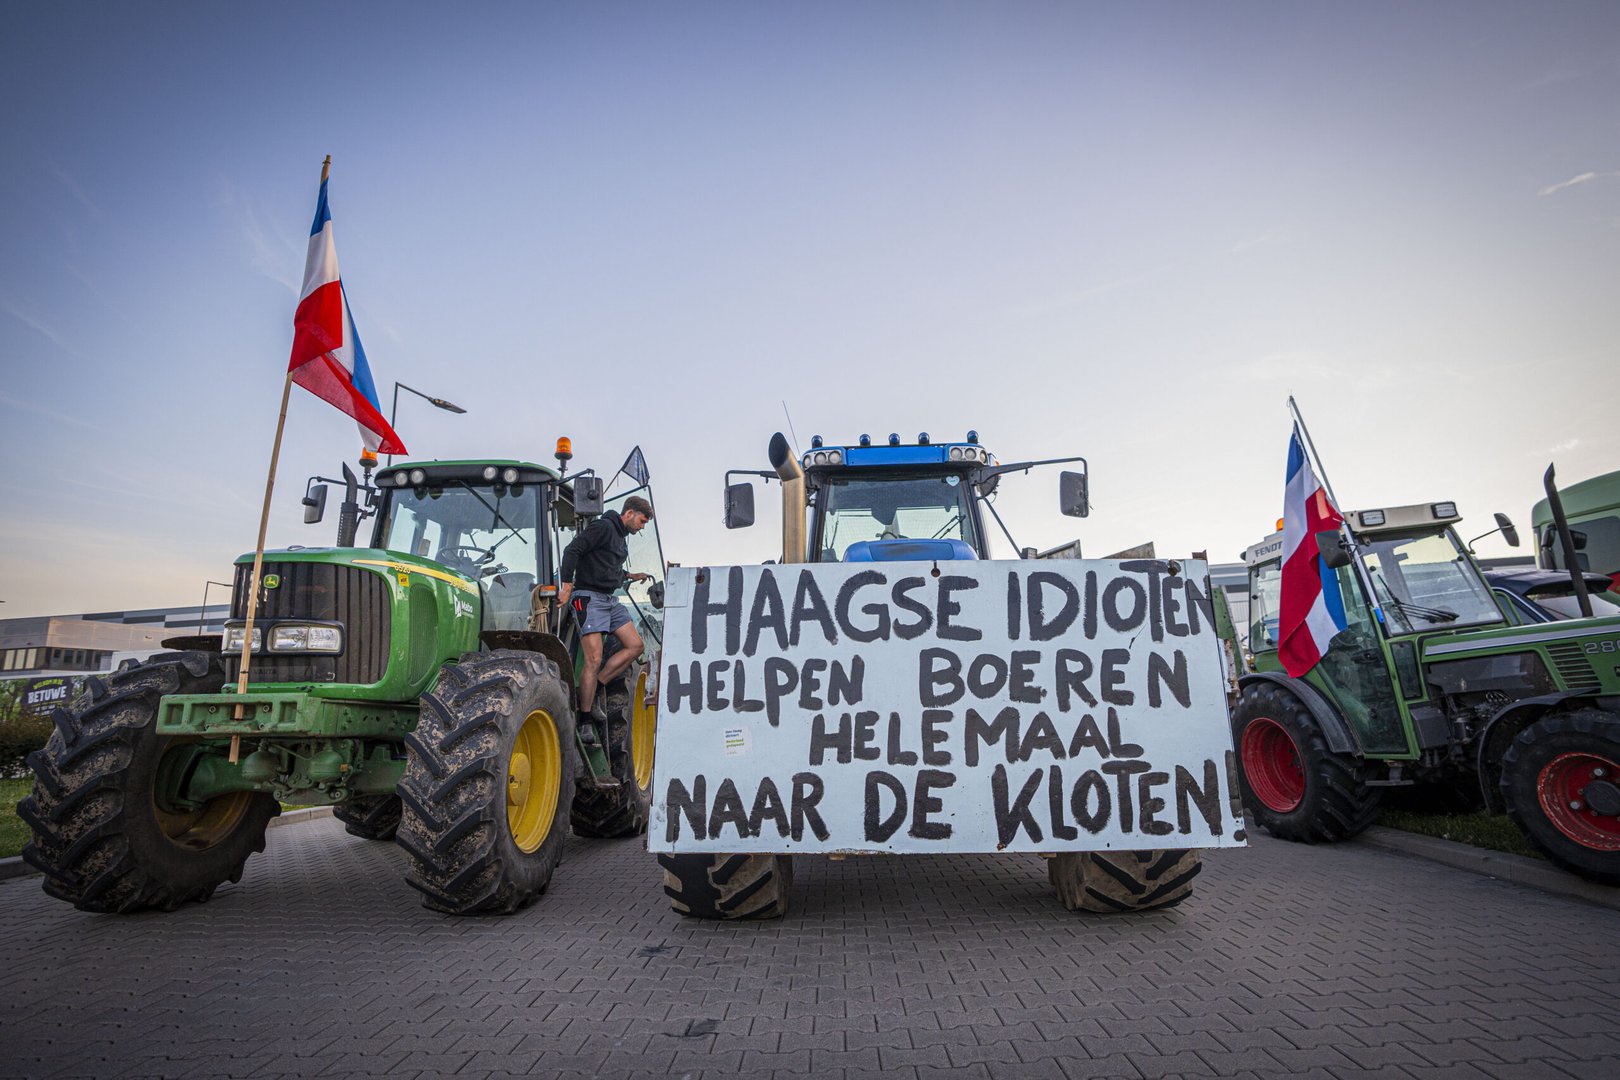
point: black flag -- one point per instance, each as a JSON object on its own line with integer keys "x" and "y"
{"x": 635, "y": 466}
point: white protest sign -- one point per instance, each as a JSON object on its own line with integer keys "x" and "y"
{"x": 1064, "y": 705}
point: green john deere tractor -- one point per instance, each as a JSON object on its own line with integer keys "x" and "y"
{"x": 1430, "y": 688}
{"x": 422, "y": 686}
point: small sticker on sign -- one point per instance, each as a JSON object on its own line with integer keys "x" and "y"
{"x": 736, "y": 741}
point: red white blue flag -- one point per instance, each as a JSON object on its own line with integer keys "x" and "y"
{"x": 327, "y": 358}
{"x": 1312, "y": 609}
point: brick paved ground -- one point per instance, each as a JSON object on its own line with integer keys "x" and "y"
{"x": 1290, "y": 961}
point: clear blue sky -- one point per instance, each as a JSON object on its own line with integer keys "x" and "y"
{"x": 1127, "y": 231}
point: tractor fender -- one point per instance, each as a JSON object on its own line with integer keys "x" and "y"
{"x": 1334, "y": 729}
{"x": 548, "y": 645}
{"x": 208, "y": 643}
{"x": 1501, "y": 729}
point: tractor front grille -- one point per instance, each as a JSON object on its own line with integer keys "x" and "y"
{"x": 1574, "y": 669}
{"x": 327, "y": 592}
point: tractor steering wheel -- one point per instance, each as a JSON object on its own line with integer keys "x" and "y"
{"x": 463, "y": 557}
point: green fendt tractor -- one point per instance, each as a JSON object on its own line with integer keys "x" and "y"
{"x": 1430, "y": 685}
{"x": 422, "y": 686}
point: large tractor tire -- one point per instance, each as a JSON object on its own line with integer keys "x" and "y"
{"x": 99, "y": 835}
{"x": 489, "y": 776}
{"x": 1292, "y": 783}
{"x": 370, "y": 817}
{"x": 612, "y": 813}
{"x": 1113, "y": 881}
{"x": 728, "y": 886}
{"x": 1561, "y": 783}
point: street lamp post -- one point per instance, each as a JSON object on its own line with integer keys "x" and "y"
{"x": 437, "y": 403}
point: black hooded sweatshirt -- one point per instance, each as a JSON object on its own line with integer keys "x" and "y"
{"x": 594, "y": 559}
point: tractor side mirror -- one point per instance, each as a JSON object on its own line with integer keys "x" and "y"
{"x": 739, "y": 506}
{"x": 1509, "y": 533}
{"x": 1549, "y": 538}
{"x": 588, "y": 495}
{"x": 1335, "y": 552}
{"x": 1074, "y": 495}
{"x": 314, "y": 504}
{"x": 655, "y": 593}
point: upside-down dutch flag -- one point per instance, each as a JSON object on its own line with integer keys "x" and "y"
{"x": 1312, "y": 610}
{"x": 327, "y": 357}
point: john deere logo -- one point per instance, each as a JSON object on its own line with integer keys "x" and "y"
{"x": 271, "y": 581}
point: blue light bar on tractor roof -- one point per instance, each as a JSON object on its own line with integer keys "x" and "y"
{"x": 868, "y": 456}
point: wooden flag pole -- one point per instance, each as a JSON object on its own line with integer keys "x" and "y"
{"x": 258, "y": 548}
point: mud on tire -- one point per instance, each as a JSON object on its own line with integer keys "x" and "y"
{"x": 489, "y": 776}
{"x": 1114, "y": 881}
{"x": 98, "y": 835}
{"x": 614, "y": 813}
{"x": 370, "y": 817}
{"x": 728, "y": 886}
{"x": 1292, "y": 783}
{"x": 1559, "y": 781}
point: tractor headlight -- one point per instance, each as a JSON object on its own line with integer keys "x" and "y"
{"x": 956, "y": 453}
{"x": 835, "y": 457}
{"x": 490, "y": 472}
{"x": 402, "y": 478}
{"x": 305, "y": 638}
{"x": 231, "y": 640}
{"x": 510, "y": 475}
{"x": 418, "y": 477}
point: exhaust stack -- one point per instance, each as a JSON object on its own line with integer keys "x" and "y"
{"x": 1566, "y": 539}
{"x": 793, "y": 505}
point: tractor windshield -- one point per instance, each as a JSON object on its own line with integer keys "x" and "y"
{"x": 1426, "y": 581}
{"x": 1265, "y": 594}
{"x": 931, "y": 506}
{"x": 481, "y": 531}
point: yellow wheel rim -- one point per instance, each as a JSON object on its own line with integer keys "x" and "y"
{"x": 201, "y": 829}
{"x": 533, "y": 781}
{"x": 643, "y": 725}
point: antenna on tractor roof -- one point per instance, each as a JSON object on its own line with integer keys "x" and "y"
{"x": 791, "y": 432}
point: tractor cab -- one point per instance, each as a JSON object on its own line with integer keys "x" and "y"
{"x": 922, "y": 501}
{"x": 503, "y": 525}
{"x": 1421, "y": 576}
{"x": 890, "y": 503}
{"x": 1420, "y": 573}
{"x": 483, "y": 520}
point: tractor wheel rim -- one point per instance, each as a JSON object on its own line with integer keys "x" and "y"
{"x": 213, "y": 822}
{"x": 643, "y": 726}
{"x": 1272, "y": 765}
{"x": 1562, "y": 788}
{"x": 533, "y": 781}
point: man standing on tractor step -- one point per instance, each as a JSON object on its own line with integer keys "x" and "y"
{"x": 596, "y": 559}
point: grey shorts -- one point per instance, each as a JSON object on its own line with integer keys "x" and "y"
{"x": 603, "y": 612}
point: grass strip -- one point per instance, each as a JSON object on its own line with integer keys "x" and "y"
{"x": 1494, "y": 832}
{"x": 13, "y": 833}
